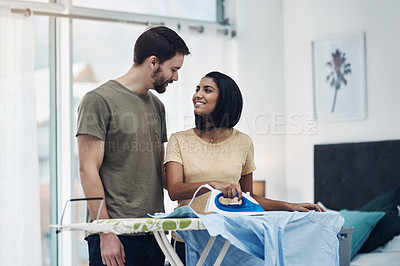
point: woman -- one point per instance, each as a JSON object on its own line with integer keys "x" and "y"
{"x": 214, "y": 152}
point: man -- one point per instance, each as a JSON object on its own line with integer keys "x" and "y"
{"x": 121, "y": 132}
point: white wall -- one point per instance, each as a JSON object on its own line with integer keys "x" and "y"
{"x": 274, "y": 73}
{"x": 260, "y": 76}
{"x": 307, "y": 20}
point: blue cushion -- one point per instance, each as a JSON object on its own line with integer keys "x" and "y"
{"x": 363, "y": 223}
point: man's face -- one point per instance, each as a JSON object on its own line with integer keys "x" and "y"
{"x": 167, "y": 72}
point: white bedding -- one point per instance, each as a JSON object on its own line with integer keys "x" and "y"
{"x": 388, "y": 255}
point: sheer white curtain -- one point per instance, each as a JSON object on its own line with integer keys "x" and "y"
{"x": 19, "y": 183}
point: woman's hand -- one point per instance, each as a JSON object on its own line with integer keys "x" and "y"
{"x": 228, "y": 189}
{"x": 306, "y": 207}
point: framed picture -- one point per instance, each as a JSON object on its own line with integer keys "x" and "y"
{"x": 339, "y": 77}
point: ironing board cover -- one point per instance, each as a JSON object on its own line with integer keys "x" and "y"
{"x": 138, "y": 225}
{"x": 183, "y": 218}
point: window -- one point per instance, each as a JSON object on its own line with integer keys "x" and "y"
{"x": 45, "y": 143}
{"x": 204, "y": 10}
{"x": 44, "y": 1}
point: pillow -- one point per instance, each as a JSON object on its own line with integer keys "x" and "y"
{"x": 389, "y": 226}
{"x": 384, "y": 202}
{"x": 363, "y": 223}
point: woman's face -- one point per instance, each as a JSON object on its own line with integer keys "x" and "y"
{"x": 205, "y": 97}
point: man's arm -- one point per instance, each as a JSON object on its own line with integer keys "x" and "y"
{"x": 91, "y": 153}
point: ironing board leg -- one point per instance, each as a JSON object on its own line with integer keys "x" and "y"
{"x": 222, "y": 253}
{"x": 206, "y": 251}
{"x": 171, "y": 249}
{"x": 167, "y": 249}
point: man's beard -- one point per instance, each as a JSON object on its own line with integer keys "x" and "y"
{"x": 159, "y": 83}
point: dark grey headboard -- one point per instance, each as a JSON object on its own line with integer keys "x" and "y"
{"x": 348, "y": 175}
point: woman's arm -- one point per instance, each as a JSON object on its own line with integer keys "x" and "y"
{"x": 178, "y": 190}
{"x": 246, "y": 183}
{"x": 163, "y": 172}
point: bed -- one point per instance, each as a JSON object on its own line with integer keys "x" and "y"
{"x": 362, "y": 181}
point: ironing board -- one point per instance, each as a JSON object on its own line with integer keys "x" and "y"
{"x": 270, "y": 239}
{"x": 158, "y": 227}
{"x": 210, "y": 240}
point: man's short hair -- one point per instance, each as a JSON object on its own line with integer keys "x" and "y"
{"x": 229, "y": 105}
{"x": 161, "y": 42}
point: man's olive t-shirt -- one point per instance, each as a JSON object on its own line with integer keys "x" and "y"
{"x": 133, "y": 128}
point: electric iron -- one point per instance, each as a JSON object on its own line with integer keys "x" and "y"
{"x": 247, "y": 206}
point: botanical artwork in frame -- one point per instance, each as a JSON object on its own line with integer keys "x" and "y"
{"x": 339, "y": 77}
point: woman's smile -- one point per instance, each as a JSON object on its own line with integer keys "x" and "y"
{"x": 205, "y": 97}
